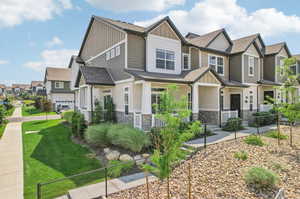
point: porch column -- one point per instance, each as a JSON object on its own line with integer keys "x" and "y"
{"x": 195, "y": 101}
{"x": 146, "y": 98}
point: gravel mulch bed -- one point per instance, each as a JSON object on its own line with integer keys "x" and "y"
{"x": 217, "y": 174}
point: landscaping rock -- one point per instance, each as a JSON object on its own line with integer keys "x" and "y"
{"x": 112, "y": 155}
{"x": 137, "y": 157}
{"x": 146, "y": 155}
{"x": 125, "y": 157}
{"x": 140, "y": 162}
{"x": 106, "y": 150}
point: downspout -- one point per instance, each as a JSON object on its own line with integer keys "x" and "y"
{"x": 92, "y": 111}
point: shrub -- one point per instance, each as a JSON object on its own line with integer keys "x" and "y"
{"x": 263, "y": 118}
{"x": 242, "y": 155}
{"x": 78, "y": 124}
{"x": 254, "y": 140}
{"x": 260, "y": 177}
{"x": 97, "y": 134}
{"x": 116, "y": 167}
{"x": 233, "y": 124}
{"x": 2, "y": 114}
{"x": 127, "y": 137}
{"x": 68, "y": 116}
{"x": 98, "y": 113}
{"x": 274, "y": 134}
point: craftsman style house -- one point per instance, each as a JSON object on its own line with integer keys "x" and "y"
{"x": 37, "y": 88}
{"x": 57, "y": 83}
{"x": 221, "y": 78}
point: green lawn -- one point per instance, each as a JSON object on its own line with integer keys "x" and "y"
{"x": 32, "y": 111}
{"x": 50, "y": 155}
{"x": 2, "y": 128}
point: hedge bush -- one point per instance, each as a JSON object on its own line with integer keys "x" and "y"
{"x": 68, "y": 116}
{"x": 263, "y": 118}
{"x": 97, "y": 135}
{"x": 233, "y": 124}
{"x": 254, "y": 140}
{"x": 127, "y": 137}
{"x": 261, "y": 177}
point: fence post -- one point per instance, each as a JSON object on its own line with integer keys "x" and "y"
{"x": 190, "y": 184}
{"x": 205, "y": 135}
{"x": 38, "y": 193}
{"x": 105, "y": 171}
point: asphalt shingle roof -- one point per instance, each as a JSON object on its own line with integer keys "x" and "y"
{"x": 274, "y": 48}
{"x": 204, "y": 40}
{"x": 58, "y": 74}
{"x": 242, "y": 44}
{"x": 96, "y": 75}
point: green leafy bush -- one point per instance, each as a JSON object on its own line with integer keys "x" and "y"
{"x": 233, "y": 124}
{"x": 2, "y": 114}
{"x": 78, "y": 124}
{"x": 260, "y": 177}
{"x": 263, "y": 118}
{"x": 127, "y": 137}
{"x": 68, "y": 116}
{"x": 254, "y": 140}
{"x": 116, "y": 167}
{"x": 274, "y": 134}
{"x": 97, "y": 134}
{"x": 242, "y": 155}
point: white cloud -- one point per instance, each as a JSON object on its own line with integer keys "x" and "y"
{"x": 133, "y": 5}
{"x": 55, "y": 58}
{"x": 2, "y": 62}
{"x": 56, "y": 41}
{"x": 14, "y": 12}
{"x": 209, "y": 15}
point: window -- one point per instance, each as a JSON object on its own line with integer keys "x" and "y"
{"x": 251, "y": 66}
{"x": 106, "y": 98}
{"x": 118, "y": 50}
{"x": 126, "y": 100}
{"x": 112, "y": 53}
{"x": 251, "y": 102}
{"x": 186, "y": 61}
{"x": 217, "y": 63}
{"x": 155, "y": 99}
{"x": 59, "y": 84}
{"x": 83, "y": 96}
{"x": 165, "y": 59}
{"x": 293, "y": 69}
{"x": 107, "y": 55}
{"x": 189, "y": 101}
{"x": 222, "y": 101}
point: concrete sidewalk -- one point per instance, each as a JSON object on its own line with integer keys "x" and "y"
{"x": 11, "y": 160}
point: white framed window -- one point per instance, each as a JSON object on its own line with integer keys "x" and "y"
{"x": 155, "y": 99}
{"x": 165, "y": 59}
{"x": 118, "y": 49}
{"x": 112, "y": 53}
{"x": 251, "y": 101}
{"x": 83, "y": 97}
{"x": 126, "y": 100}
{"x": 59, "y": 84}
{"x": 216, "y": 63}
{"x": 189, "y": 98}
{"x": 251, "y": 66}
{"x": 106, "y": 98}
{"x": 107, "y": 55}
{"x": 186, "y": 61}
{"x": 281, "y": 65}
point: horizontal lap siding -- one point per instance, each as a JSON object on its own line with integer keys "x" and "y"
{"x": 136, "y": 52}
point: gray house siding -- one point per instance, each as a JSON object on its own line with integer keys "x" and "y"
{"x": 194, "y": 58}
{"x": 236, "y": 67}
{"x": 278, "y": 58}
{"x": 66, "y": 88}
{"x": 247, "y": 77}
{"x": 136, "y": 52}
{"x": 115, "y": 65}
{"x": 269, "y": 68}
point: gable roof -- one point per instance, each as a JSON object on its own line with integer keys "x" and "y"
{"x": 77, "y": 59}
{"x": 2, "y": 86}
{"x": 22, "y": 86}
{"x": 276, "y": 48}
{"x": 208, "y": 38}
{"x": 191, "y": 35}
{"x": 37, "y": 83}
{"x": 242, "y": 44}
{"x": 57, "y": 74}
{"x": 94, "y": 76}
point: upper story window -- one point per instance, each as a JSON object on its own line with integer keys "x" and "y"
{"x": 217, "y": 63}
{"x": 107, "y": 55}
{"x": 165, "y": 59}
{"x": 112, "y": 53}
{"x": 186, "y": 61}
{"x": 251, "y": 66}
{"x": 118, "y": 51}
{"x": 293, "y": 69}
{"x": 59, "y": 84}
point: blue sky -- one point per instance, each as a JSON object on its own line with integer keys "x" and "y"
{"x": 44, "y": 33}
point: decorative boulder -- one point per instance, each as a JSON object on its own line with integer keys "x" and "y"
{"x": 106, "y": 150}
{"x": 112, "y": 155}
{"x": 137, "y": 157}
{"x": 140, "y": 162}
{"x": 146, "y": 155}
{"x": 125, "y": 158}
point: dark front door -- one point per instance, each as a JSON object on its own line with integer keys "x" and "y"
{"x": 235, "y": 103}
{"x": 268, "y": 95}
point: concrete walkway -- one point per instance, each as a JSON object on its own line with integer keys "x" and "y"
{"x": 222, "y": 136}
{"x": 11, "y": 160}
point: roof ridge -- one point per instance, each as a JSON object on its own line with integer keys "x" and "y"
{"x": 256, "y": 34}
{"x": 117, "y": 20}
{"x": 280, "y": 43}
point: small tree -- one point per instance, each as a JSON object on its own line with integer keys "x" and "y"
{"x": 110, "y": 115}
{"x": 47, "y": 107}
{"x": 2, "y": 114}
{"x": 171, "y": 112}
{"x": 98, "y": 113}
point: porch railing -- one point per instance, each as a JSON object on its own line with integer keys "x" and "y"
{"x": 137, "y": 120}
{"x": 155, "y": 122}
{"x": 226, "y": 114}
{"x": 265, "y": 107}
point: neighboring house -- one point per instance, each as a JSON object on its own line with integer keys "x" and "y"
{"x": 133, "y": 65}
{"x": 2, "y": 89}
{"x": 57, "y": 83}
{"x": 18, "y": 89}
{"x": 37, "y": 88}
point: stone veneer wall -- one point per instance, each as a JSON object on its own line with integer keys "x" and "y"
{"x": 211, "y": 117}
{"x": 122, "y": 118}
{"x": 247, "y": 115}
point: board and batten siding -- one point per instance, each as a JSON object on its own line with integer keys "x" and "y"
{"x": 194, "y": 58}
{"x": 251, "y": 51}
{"x": 269, "y": 68}
{"x": 164, "y": 30}
{"x": 281, "y": 55}
{"x": 220, "y": 43}
{"x": 136, "y": 52}
{"x": 208, "y": 78}
{"x": 100, "y": 37}
{"x": 236, "y": 67}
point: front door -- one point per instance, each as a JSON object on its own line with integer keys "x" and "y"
{"x": 268, "y": 96}
{"x": 235, "y": 103}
